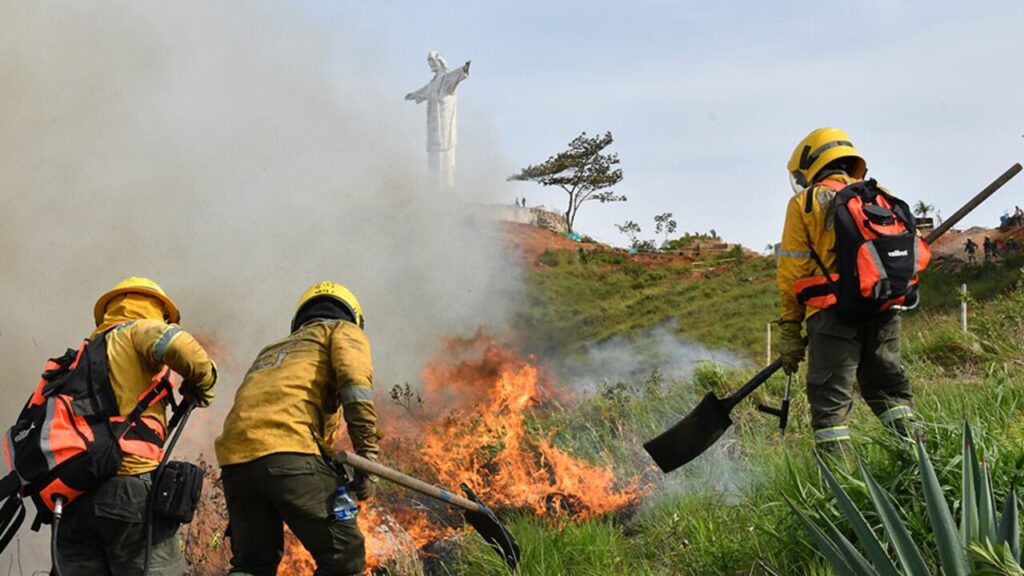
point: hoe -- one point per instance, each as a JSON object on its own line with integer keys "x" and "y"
{"x": 706, "y": 423}
{"x": 479, "y": 516}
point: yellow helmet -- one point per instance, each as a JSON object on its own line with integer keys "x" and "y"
{"x": 137, "y": 285}
{"x": 335, "y": 291}
{"x": 816, "y": 150}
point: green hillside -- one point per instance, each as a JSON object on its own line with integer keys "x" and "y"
{"x": 724, "y": 513}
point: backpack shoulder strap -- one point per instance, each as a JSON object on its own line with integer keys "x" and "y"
{"x": 9, "y": 485}
{"x": 833, "y": 185}
{"x": 826, "y": 183}
{"x": 12, "y": 514}
{"x": 158, "y": 390}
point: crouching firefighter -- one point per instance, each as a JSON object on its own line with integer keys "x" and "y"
{"x": 275, "y": 452}
{"x": 848, "y": 263}
{"x": 88, "y": 440}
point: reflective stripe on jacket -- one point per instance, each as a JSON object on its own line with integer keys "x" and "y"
{"x": 290, "y": 398}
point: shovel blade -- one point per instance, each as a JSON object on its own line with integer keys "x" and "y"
{"x": 691, "y": 436}
{"x": 492, "y": 530}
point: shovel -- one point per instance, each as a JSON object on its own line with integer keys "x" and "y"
{"x": 703, "y": 426}
{"x": 479, "y": 516}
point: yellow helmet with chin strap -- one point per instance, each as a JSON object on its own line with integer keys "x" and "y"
{"x": 137, "y": 285}
{"x": 817, "y": 150}
{"x": 334, "y": 291}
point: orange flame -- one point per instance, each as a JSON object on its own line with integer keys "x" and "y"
{"x": 483, "y": 439}
{"x": 472, "y": 426}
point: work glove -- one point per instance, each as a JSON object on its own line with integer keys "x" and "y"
{"x": 791, "y": 345}
{"x": 363, "y": 485}
{"x": 200, "y": 394}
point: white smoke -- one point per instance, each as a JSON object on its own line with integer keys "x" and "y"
{"x": 236, "y": 153}
{"x": 639, "y": 353}
{"x": 634, "y": 358}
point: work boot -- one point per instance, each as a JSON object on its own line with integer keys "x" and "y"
{"x": 836, "y": 453}
{"x": 903, "y": 427}
{"x": 899, "y": 419}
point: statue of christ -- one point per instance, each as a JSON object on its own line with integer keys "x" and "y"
{"x": 439, "y": 94}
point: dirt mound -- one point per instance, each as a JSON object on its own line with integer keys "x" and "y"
{"x": 950, "y": 246}
{"x": 526, "y": 243}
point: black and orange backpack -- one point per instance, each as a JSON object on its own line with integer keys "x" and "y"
{"x": 69, "y": 437}
{"x": 878, "y": 254}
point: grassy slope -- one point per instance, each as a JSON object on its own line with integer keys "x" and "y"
{"x": 724, "y": 514}
{"x": 574, "y": 302}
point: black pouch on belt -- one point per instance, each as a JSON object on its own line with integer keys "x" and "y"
{"x": 178, "y": 491}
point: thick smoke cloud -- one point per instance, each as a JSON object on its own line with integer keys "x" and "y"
{"x": 236, "y": 153}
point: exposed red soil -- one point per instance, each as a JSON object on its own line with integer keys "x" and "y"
{"x": 527, "y": 242}
{"x": 951, "y": 244}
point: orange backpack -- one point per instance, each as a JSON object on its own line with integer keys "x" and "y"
{"x": 70, "y": 436}
{"x": 878, "y": 254}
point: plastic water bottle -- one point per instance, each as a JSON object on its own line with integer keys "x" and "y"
{"x": 344, "y": 508}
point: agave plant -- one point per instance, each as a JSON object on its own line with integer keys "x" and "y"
{"x": 977, "y": 547}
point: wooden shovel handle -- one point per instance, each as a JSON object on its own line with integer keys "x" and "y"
{"x": 973, "y": 203}
{"x": 370, "y": 467}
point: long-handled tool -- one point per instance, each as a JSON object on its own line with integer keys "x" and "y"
{"x": 706, "y": 423}
{"x": 479, "y": 516}
{"x": 703, "y": 426}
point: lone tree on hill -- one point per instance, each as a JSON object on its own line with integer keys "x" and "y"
{"x": 664, "y": 223}
{"x": 583, "y": 171}
{"x": 630, "y": 229}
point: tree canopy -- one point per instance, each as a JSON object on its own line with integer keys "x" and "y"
{"x": 583, "y": 171}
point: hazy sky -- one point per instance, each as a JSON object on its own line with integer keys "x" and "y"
{"x": 707, "y": 100}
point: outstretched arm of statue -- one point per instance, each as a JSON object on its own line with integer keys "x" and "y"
{"x": 452, "y": 79}
{"x": 419, "y": 95}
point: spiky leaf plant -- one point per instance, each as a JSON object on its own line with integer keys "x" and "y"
{"x": 979, "y": 546}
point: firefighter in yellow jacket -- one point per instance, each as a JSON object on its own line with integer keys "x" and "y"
{"x": 102, "y": 532}
{"x": 841, "y": 353}
{"x": 284, "y": 419}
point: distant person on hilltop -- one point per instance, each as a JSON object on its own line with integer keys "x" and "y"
{"x": 844, "y": 350}
{"x": 971, "y": 248}
{"x": 991, "y": 251}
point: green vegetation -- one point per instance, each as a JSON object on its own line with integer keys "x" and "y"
{"x": 691, "y": 238}
{"x": 726, "y": 513}
{"x": 984, "y": 537}
{"x": 586, "y": 297}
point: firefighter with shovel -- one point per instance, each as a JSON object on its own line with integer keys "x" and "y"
{"x": 875, "y": 255}
{"x": 283, "y": 421}
{"x": 852, "y": 337}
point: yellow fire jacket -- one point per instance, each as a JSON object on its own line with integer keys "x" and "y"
{"x": 806, "y": 230}
{"x": 290, "y": 398}
{"x": 137, "y": 350}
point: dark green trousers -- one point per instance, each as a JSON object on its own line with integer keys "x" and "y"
{"x": 103, "y": 533}
{"x": 292, "y": 489}
{"x": 842, "y": 355}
